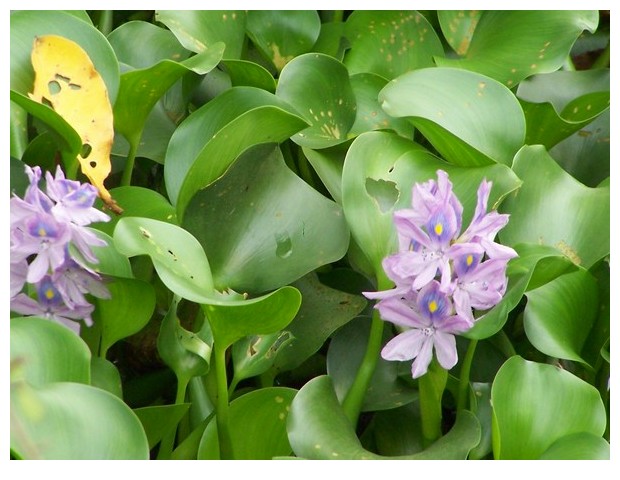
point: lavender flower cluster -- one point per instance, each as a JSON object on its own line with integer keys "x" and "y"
{"x": 440, "y": 274}
{"x": 43, "y": 227}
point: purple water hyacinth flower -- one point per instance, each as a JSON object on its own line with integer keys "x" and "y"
{"x": 19, "y": 271}
{"x": 432, "y": 324}
{"x": 51, "y": 306}
{"x": 73, "y": 281}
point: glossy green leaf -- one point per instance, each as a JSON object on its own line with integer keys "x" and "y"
{"x": 255, "y": 355}
{"x": 318, "y": 86}
{"x": 480, "y": 400}
{"x": 512, "y": 45}
{"x": 257, "y": 426}
{"x": 67, "y": 139}
{"x": 331, "y": 40}
{"x": 121, "y": 316}
{"x": 105, "y": 375}
{"x": 323, "y": 310}
{"x": 535, "y": 266}
{"x": 201, "y": 149}
{"x": 18, "y": 182}
{"x": 111, "y": 262}
{"x": 378, "y": 175}
{"x": 71, "y": 421}
{"x": 139, "y": 202}
{"x": 262, "y": 227}
{"x": 369, "y": 114}
{"x": 160, "y": 420}
{"x": 586, "y": 153}
{"x": 540, "y": 403}
{"x": 327, "y": 163}
{"x": 141, "y": 89}
{"x": 26, "y": 24}
{"x": 319, "y": 429}
{"x": 559, "y": 315}
{"x": 561, "y": 103}
{"x": 46, "y": 352}
{"x": 249, "y": 74}
{"x": 397, "y": 431}
{"x": 198, "y": 30}
{"x": 458, "y": 27}
{"x": 188, "y": 354}
{"x": 390, "y": 43}
{"x": 19, "y": 131}
{"x": 258, "y": 316}
{"x": 282, "y": 35}
{"x": 177, "y": 256}
{"x": 344, "y": 357}
{"x": 552, "y": 208}
{"x": 471, "y": 119}
{"x": 578, "y": 446}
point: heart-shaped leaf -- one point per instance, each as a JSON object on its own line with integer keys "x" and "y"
{"x": 469, "y": 118}
{"x": 160, "y": 420}
{"x": 512, "y": 45}
{"x": 318, "y": 86}
{"x": 528, "y": 399}
{"x": 458, "y": 27}
{"x": 262, "y": 227}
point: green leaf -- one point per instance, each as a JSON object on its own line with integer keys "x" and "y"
{"x": 160, "y": 420}
{"x": 390, "y": 43}
{"x": 26, "y": 24}
{"x": 281, "y": 35}
{"x": 249, "y": 74}
{"x": 19, "y": 131}
{"x": 559, "y": 104}
{"x": 318, "y": 86}
{"x": 331, "y": 40}
{"x": 344, "y": 357}
{"x": 177, "y": 256}
{"x": 560, "y": 314}
{"x": 71, "y": 421}
{"x": 105, "y": 375}
{"x": 552, "y": 208}
{"x": 141, "y": 89}
{"x": 578, "y": 446}
{"x": 378, "y": 175}
{"x": 369, "y": 114}
{"x": 323, "y": 310}
{"x": 471, "y": 119}
{"x": 47, "y": 352}
{"x": 327, "y": 163}
{"x": 121, "y": 316}
{"x": 257, "y": 424}
{"x": 258, "y": 316}
{"x": 201, "y": 150}
{"x": 319, "y": 429}
{"x": 528, "y": 399}
{"x": 458, "y": 27}
{"x": 480, "y": 399}
{"x": 255, "y": 355}
{"x": 198, "y": 30}
{"x": 512, "y": 45}
{"x": 111, "y": 262}
{"x": 535, "y": 266}
{"x": 188, "y": 354}
{"x": 139, "y": 202}
{"x": 262, "y": 227}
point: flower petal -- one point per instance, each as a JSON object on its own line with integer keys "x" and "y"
{"x": 420, "y": 365}
{"x": 401, "y": 312}
{"x": 445, "y": 348}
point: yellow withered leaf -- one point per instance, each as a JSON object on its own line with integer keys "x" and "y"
{"x": 66, "y": 80}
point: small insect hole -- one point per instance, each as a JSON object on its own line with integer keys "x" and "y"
{"x": 46, "y": 102}
{"x": 54, "y": 87}
{"x": 58, "y": 76}
{"x": 93, "y": 164}
{"x": 85, "y": 152}
{"x": 74, "y": 86}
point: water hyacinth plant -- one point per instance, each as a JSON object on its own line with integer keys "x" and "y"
{"x": 303, "y": 234}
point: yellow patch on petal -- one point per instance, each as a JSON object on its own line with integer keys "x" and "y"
{"x": 469, "y": 260}
{"x": 66, "y": 80}
{"x": 438, "y": 229}
{"x": 432, "y": 306}
{"x": 49, "y": 293}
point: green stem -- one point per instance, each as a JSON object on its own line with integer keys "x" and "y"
{"x": 131, "y": 160}
{"x": 430, "y": 387}
{"x": 603, "y": 59}
{"x": 464, "y": 380}
{"x": 221, "y": 405}
{"x": 501, "y": 341}
{"x": 167, "y": 443}
{"x": 338, "y": 16}
{"x": 352, "y": 404}
{"x": 106, "y": 22}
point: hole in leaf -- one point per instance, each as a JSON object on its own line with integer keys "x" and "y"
{"x": 54, "y": 87}
{"x": 85, "y": 152}
{"x": 284, "y": 245}
{"x": 384, "y": 192}
{"x": 74, "y": 86}
{"x": 93, "y": 164}
{"x": 58, "y": 76}
{"x": 46, "y": 102}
